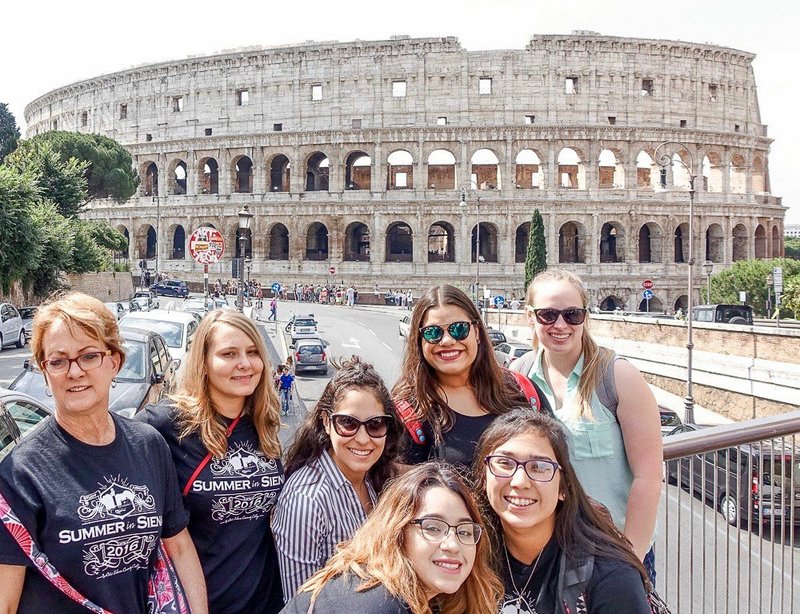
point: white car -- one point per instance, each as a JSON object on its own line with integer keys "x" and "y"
{"x": 12, "y": 330}
{"x": 177, "y": 328}
{"x": 303, "y": 327}
{"x": 405, "y": 326}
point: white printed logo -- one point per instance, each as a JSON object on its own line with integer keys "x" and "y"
{"x": 243, "y": 461}
{"x": 116, "y": 499}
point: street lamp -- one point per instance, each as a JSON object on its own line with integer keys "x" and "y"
{"x": 463, "y": 203}
{"x": 708, "y": 268}
{"x": 664, "y": 160}
{"x": 245, "y": 217}
{"x": 248, "y": 262}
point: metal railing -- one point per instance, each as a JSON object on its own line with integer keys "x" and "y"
{"x": 727, "y": 540}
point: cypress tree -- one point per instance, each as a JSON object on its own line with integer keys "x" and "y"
{"x": 536, "y": 256}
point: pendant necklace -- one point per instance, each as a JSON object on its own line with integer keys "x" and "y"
{"x": 521, "y": 593}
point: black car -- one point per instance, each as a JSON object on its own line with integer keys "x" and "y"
{"x": 148, "y": 374}
{"x": 496, "y": 337}
{"x": 19, "y": 413}
{"x": 170, "y": 287}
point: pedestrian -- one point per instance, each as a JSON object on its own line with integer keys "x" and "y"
{"x": 567, "y": 555}
{"x": 420, "y": 551}
{"x": 289, "y": 362}
{"x": 340, "y": 459}
{"x": 615, "y": 438}
{"x": 221, "y": 425}
{"x": 285, "y": 389}
{"x": 78, "y": 486}
{"x": 351, "y": 296}
{"x": 409, "y": 299}
{"x": 515, "y": 304}
{"x": 273, "y": 310}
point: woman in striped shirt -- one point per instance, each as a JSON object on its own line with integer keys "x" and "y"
{"x": 339, "y": 461}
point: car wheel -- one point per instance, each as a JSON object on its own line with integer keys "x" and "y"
{"x": 729, "y": 508}
{"x": 21, "y": 340}
{"x": 1, "y": 343}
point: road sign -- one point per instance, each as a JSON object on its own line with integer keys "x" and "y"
{"x": 276, "y": 288}
{"x": 777, "y": 279}
{"x": 332, "y": 270}
{"x": 499, "y": 300}
{"x": 647, "y": 294}
{"x": 206, "y": 245}
{"x": 647, "y": 284}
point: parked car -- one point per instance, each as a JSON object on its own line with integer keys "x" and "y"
{"x": 309, "y": 355}
{"x": 147, "y": 374}
{"x": 177, "y": 328}
{"x": 19, "y": 413}
{"x": 143, "y": 300}
{"x": 200, "y": 306}
{"x": 669, "y": 421}
{"x": 508, "y": 352}
{"x": 405, "y": 326}
{"x": 303, "y": 327}
{"x": 27, "y": 314}
{"x": 755, "y": 482}
{"x": 496, "y": 337}
{"x": 170, "y": 287}
{"x": 116, "y": 308}
{"x": 724, "y": 314}
{"x": 12, "y": 331}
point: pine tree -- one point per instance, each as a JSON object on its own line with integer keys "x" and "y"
{"x": 536, "y": 256}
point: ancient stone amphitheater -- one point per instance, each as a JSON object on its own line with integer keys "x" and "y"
{"x": 376, "y": 159}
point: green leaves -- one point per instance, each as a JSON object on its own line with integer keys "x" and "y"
{"x": 536, "y": 255}
{"x": 751, "y": 276}
{"x": 9, "y": 133}
{"x": 19, "y": 246}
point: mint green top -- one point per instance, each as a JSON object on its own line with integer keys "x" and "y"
{"x": 596, "y": 447}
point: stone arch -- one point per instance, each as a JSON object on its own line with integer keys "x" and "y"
{"x": 280, "y": 170}
{"x": 680, "y": 170}
{"x": 572, "y": 243}
{"x": 647, "y": 172}
{"x": 317, "y": 242}
{"x": 358, "y": 171}
{"x": 441, "y": 170}
{"x": 521, "y": 238}
{"x": 208, "y": 176}
{"x": 571, "y": 169}
{"x": 400, "y": 170}
{"x": 124, "y": 253}
{"x": 612, "y": 303}
{"x": 739, "y": 242}
{"x": 681, "y": 243}
{"x": 242, "y": 174}
{"x": 146, "y": 242}
{"x": 178, "y": 251}
{"x": 612, "y": 242}
{"x": 149, "y": 170}
{"x": 528, "y": 174}
{"x": 485, "y": 170}
{"x": 761, "y": 242}
{"x": 278, "y": 242}
{"x": 712, "y": 172}
{"x": 317, "y": 175}
{"x": 759, "y": 176}
{"x": 738, "y": 174}
{"x": 176, "y": 176}
{"x": 682, "y": 303}
{"x": 650, "y": 243}
{"x": 777, "y": 242}
{"x": 655, "y": 305}
{"x": 441, "y": 242}
{"x": 248, "y": 242}
{"x": 714, "y": 243}
{"x": 611, "y": 170}
{"x": 488, "y": 242}
{"x": 399, "y": 243}
{"x": 356, "y": 242}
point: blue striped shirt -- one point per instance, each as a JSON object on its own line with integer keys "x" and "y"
{"x": 317, "y": 508}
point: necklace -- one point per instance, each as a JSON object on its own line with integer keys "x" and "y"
{"x": 521, "y": 593}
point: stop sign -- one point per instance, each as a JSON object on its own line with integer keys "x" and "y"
{"x": 332, "y": 270}
{"x": 647, "y": 284}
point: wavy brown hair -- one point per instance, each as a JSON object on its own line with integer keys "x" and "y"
{"x": 195, "y": 410}
{"x": 583, "y": 527}
{"x": 312, "y": 440}
{"x": 376, "y": 554}
{"x": 495, "y": 389}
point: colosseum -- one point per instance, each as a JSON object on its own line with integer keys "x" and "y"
{"x": 388, "y": 161}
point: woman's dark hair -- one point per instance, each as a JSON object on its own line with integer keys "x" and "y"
{"x": 583, "y": 527}
{"x": 312, "y": 439}
{"x": 495, "y": 389}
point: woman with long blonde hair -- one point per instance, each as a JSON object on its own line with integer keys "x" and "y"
{"x": 222, "y": 428}
{"x": 421, "y": 550}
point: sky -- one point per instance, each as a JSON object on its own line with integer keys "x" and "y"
{"x": 50, "y": 43}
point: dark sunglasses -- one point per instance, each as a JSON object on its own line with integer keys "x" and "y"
{"x": 573, "y": 315}
{"x": 435, "y": 333}
{"x": 347, "y": 426}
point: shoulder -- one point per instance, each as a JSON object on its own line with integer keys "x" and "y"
{"x": 162, "y": 417}
{"x": 308, "y": 483}
{"x": 343, "y": 592}
{"x": 625, "y": 372}
{"x": 139, "y": 434}
{"x": 616, "y": 584}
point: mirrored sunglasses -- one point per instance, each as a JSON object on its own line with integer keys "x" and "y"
{"x": 435, "y": 333}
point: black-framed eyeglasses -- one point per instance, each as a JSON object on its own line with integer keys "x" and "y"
{"x": 434, "y": 333}
{"x": 436, "y": 531}
{"x": 86, "y": 362}
{"x": 546, "y": 315}
{"x": 537, "y": 469}
{"x": 346, "y": 425}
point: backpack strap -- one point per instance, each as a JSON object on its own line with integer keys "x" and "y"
{"x": 408, "y": 416}
{"x": 607, "y": 389}
{"x": 573, "y": 577}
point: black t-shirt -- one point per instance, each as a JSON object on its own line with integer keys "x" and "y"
{"x": 229, "y": 505}
{"x": 457, "y": 446}
{"x": 613, "y": 588}
{"x": 97, "y": 512}
{"x": 340, "y": 595}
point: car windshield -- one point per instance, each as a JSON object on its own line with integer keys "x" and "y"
{"x": 733, "y": 311}
{"x": 25, "y": 415}
{"x": 171, "y": 331}
{"x": 670, "y": 419}
{"x": 304, "y": 322}
{"x": 134, "y": 368}
{"x": 26, "y": 313}
{"x": 777, "y": 471}
{"x": 520, "y": 351}
{"x": 305, "y": 350}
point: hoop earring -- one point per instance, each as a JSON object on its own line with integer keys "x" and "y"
{"x": 114, "y": 383}
{"x": 47, "y": 391}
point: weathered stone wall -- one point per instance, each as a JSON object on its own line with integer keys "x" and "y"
{"x": 109, "y": 286}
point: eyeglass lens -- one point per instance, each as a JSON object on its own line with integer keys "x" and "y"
{"x": 435, "y": 333}
{"x": 573, "y": 315}
{"x": 436, "y": 531}
{"x": 347, "y": 426}
{"x": 539, "y": 470}
{"x": 86, "y": 362}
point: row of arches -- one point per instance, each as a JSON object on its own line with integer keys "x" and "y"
{"x": 573, "y": 168}
{"x": 652, "y": 245}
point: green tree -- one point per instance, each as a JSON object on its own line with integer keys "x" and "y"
{"x": 751, "y": 276}
{"x": 9, "y": 133}
{"x": 791, "y": 247}
{"x": 536, "y": 255}
{"x": 790, "y": 299}
{"x": 19, "y": 241}
{"x": 87, "y": 255}
{"x": 56, "y": 237}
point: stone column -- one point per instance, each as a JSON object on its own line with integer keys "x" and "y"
{"x": 297, "y": 176}
{"x": 259, "y": 173}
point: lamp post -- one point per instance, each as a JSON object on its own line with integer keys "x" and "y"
{"x": 245, "y": 218}
{"x": 463, "y": 203}
{"x": 708, "y": 268}
{"x": 664, "y": 160}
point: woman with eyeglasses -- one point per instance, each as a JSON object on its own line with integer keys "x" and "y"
{"x": 221, "y": 426}
{"x": 605, "y": 404}
{"x": 556, "y": 550}
{"x": 421, "y": 550}
{"x": 337, "y": 465}
{"x": 95, "y": 492}
{"x": 450, "y": 380}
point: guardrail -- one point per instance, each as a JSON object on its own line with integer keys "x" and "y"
{"x": 727, "y": 540}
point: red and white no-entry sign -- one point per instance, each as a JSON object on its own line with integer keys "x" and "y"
{"x": 647, "y": 284}
{"x": 332, "y": 270}
{"x": 206, "y": 245}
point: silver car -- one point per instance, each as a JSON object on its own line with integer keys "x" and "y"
{"x": 12, "y": 329}
{"x": 508, "y": 352}
{"x": 309, "y": 355}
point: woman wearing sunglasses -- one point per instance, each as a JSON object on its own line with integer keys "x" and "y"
{"x": 606, "y": 405}
{"x": 451, "y": 379}
{"x": 338, "y": 463}
{"x": 422, "y": 550}
{"x": 556, "y": 550}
